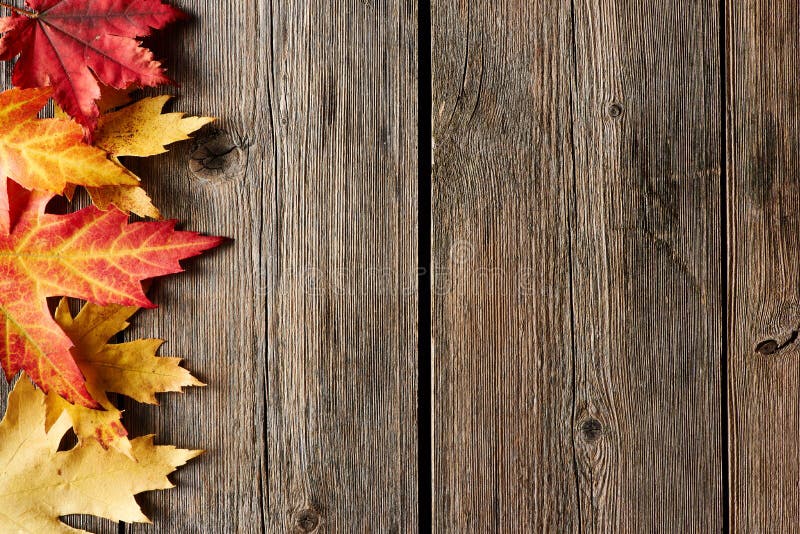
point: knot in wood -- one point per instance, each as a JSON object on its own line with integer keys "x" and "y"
{"x": 591, "y": 429}
{"x": 306, "y": 521}
{"x": 217, "y": 158}
{"x": 615, "y": 110}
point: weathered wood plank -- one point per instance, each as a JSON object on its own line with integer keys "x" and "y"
{"x": 647, "y": 265}
{"x": 764, "y": 259}
{"x": 305, "y": 326}
{"x": 213, "y": 315}
{"x": 617, "y": 424}
{"x": 502, "y": 175}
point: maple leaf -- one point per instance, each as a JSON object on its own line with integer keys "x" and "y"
{"x": 39, "y": 483}
{"x": 71, "y": 44}
{"x": 139, "y": 130}
{"x": 47, "y": 154}
{"x": 131, "y": 369}
{"x": 91, "y": 255}
{"x": 13, "y": 199}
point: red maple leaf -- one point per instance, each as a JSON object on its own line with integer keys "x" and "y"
{"x": 71, "y": 44}
{"x": 90, "y": 254}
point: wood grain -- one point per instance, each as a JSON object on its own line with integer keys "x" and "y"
{"x": 215, "y": 314}
{"x": 764, "y": 261}
{"x": 587, "y": 138}
{"x": 304, "y": 324}
{"x": 502, "y": 368}
{"x": 577, "y": 252}
{"x": 647, "y": 265}
{"x": 304, "y": 327}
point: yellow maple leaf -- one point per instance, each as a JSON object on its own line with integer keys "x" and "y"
{"x": 131, "y": 369}
{"x": 139, "y": 130}
{"x": 131, "y": 199}
{"x": 39, "y": 483}
{"x": 110, "y": 98}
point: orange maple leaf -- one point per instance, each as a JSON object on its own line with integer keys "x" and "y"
{"x": 90, "y": 254}
{"x": 47, "y": 154}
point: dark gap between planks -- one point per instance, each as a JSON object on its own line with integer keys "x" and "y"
{"x": 424, "y": 162}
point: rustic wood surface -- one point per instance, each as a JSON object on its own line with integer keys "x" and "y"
{"x": 581, "y": 277}
{"x": 576, "y": 149}
{"x": 304, "y": 325}
{"x": 502, "y": 177}
{"x": 646, "y": 257}
{"x": 764, "y": 250}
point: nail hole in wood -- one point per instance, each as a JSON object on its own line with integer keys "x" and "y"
{"x": 767, "y": 347}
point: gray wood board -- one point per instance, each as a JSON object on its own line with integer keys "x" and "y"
{"x": 577, "y": 306}
{"x": 763, "y": 43}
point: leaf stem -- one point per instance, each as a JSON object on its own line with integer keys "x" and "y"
{"x": 19, "y": 10}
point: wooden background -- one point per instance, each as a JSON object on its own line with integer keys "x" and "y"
{"x": 614, "y": 267}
